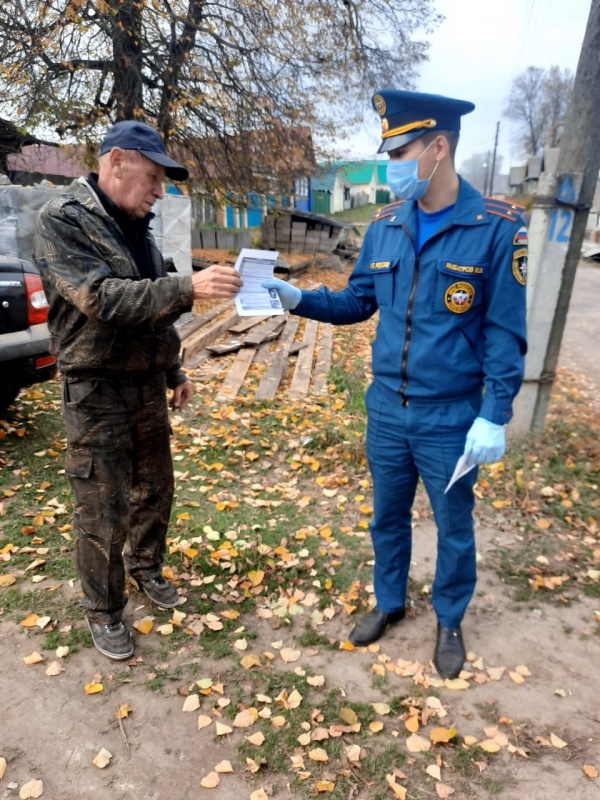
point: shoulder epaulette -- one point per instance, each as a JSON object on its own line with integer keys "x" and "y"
{"x": 386, "y": 211}
{"x": 503, "y": 208}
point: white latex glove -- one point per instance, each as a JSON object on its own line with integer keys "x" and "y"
{"x": 485, "y": 443}
{"x": 289, "y": 295}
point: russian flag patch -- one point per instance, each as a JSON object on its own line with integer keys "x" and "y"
{"x": 520, "y": 238}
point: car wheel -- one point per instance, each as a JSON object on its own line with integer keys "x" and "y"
{"x": 8, "y": 394}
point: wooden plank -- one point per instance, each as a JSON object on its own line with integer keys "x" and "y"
{"x": 323, "y": 359}
{"x": 274, "y": 372}
{"x": 301, "y": 380}
{"x": 198, "y": 322}
{"x": 262, "y": 332}
{"x": 246, "y": 323}
{"x": 222, "y": 348}
{"x": 235, "y": 377}
{"x": 207, "y": 335}
{"x": 296, "y": 347}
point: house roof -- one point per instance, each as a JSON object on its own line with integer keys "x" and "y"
{"x": 44, "y": 159}
{"x": 351, "y": 172}
{"x": 324, "y": 179}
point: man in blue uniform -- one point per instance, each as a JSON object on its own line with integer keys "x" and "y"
{"x": 446, "y": 269}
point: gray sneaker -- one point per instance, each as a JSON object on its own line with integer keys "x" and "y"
{"x": 160, "y": 591}
{"x": 112, "y": 639}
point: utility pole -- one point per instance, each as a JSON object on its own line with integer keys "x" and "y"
{"x": 487, "y": 172}
{"x": 494, "y": 160}
{"x": 558, "y": 221}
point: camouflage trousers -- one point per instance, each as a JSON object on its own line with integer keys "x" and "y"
{"x": 121, "y": 473}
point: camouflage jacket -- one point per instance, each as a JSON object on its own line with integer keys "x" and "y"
{"x": 104, "y": 320}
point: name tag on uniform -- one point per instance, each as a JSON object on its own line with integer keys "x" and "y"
{"x": 472, "y": 269}
{"x": 380, "y": 265}
{"x": 463, "y": 269}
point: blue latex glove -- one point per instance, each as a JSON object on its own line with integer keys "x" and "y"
{"x": 289, "y": 295}
{"x": 485, "y": 442}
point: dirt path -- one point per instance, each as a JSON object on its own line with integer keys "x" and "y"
{"x": 51, "y": 730}
{"x": 579, "y": 351}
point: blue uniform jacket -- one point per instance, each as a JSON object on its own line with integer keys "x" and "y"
{"x": 452, "y": 317}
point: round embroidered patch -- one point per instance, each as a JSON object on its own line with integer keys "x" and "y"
{"x": 379, "y": 104}
{"x": 459, "y": 297}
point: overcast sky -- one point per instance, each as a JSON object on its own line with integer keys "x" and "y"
{"x": 477, "y": 52}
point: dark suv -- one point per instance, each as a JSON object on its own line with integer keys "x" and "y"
{"x": 24, "y": 337}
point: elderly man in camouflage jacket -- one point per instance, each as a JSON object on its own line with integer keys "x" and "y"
{"x": 112, "y": 309}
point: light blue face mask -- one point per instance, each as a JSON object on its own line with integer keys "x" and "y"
{"x": 403, "y": 178}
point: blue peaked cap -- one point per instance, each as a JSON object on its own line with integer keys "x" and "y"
{"x": 407, "y": 115}
{"x": 133, "y": 135}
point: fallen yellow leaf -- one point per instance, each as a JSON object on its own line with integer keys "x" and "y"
{"x": 224, "y": 767}
{"x": 210, "y": 781}
{"x": 417, "y": 744}
{"x": 191, "y": 703}
{"x": 289, "y": 655}
{"x": 7, "y": 580}
{"x": 54, "y": 668}
{"x": 34, "y": 658}
{"x": 123, "y": 711}
{"x": 325, "y": 786}
{"x": 144, "y": 625}
{"x": 434, "y": 771}
{"x": 30, "y": 622}
{"x": 259, "y": 794}
{"x": 221, "y": 729}
{"x": 381, "y": 708}
{"x": 398, "y": 790}
{"x": 256, "y": 739}
{"x": 33, "y": 788}
{"x": 456, "y": 684}
{"x": 347, "y": 645}
{"x": 489, "y": 746}
{"x": 93, "y": 688}
{"x": 245, "y": 718}
{"x": 3, "y": 765}
{"x": 353, "y": 753}
{"x": 438, "y": 735}
{"x": 204, "y": 721}
{"x": 62, "y": 651}
{"x": 318, "y": 754}
{"x": 348, "y": 715}
{"x": 375, "y": 727}
{"x": 250, "y": 661}
{"x": 588, "y": 769}
{"x": 412, "y": 724}
{"x": 166, "y": 629}
{"x": 444, "y": 791}
{"x": 102, "y": 759}
{"x": 556, "y": 742}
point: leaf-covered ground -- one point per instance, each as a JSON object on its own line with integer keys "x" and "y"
{"x": 250, "y": 689}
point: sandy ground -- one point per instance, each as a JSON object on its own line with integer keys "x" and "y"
{"x": 51, "y": 729}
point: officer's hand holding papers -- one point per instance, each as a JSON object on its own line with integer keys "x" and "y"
{"x": 253, "y": 299}
{"x": 485, "y": 444}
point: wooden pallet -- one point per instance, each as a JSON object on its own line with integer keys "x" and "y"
{"x": 271, "y": 340}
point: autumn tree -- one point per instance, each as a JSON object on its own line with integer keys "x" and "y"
{"x": 537, "y": 103}
{"x": 233, "y": 85}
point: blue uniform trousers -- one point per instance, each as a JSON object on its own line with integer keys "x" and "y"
{"x": 426, "y": 439}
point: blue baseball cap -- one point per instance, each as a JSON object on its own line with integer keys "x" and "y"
{"x": 407, "y": 115}
{"x": 132, "y": 135}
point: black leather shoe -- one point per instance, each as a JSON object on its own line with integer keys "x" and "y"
{"x": 372, "y": 625}
{"x": 449, "y": 656}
